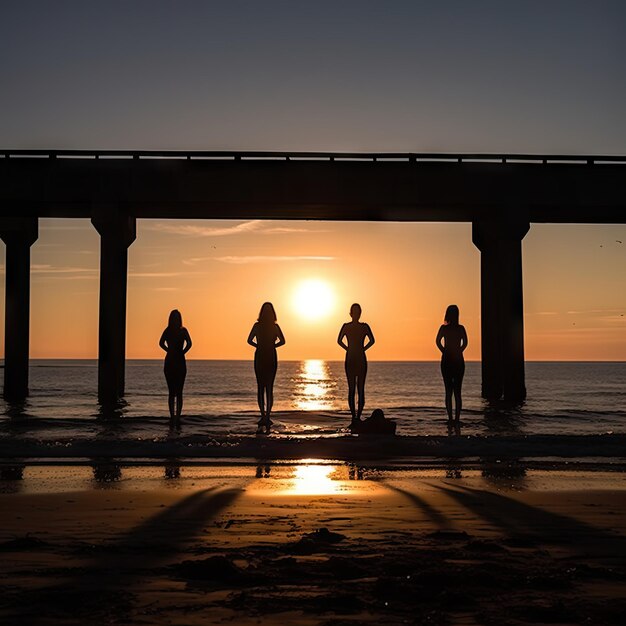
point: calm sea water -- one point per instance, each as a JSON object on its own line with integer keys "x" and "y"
{"x": 310, "y": 398}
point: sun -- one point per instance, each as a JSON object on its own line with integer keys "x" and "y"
{"x": 313, "y": 299}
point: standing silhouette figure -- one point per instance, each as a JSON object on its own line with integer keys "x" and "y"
{"x": 176, "y": 342}
{"x": 266, "y": 336}
{"x": 452, "y": 341}
{"x": 356, "y": 333}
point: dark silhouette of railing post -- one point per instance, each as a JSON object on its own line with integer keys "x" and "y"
{"x": 502, "y": 307}
{"x": 117, "y": 232}
{"x": 18, "y": 234}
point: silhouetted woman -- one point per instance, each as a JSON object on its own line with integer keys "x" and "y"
{"x": 452, "y": 341}
{"x": 356, "y": 333}
{"x": 266, "y": 336}
{"x": 176, "y": 341}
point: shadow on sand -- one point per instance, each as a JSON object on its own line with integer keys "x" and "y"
{"x": 101, "y": 590}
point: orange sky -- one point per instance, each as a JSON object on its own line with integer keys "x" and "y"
{"x": 404, "y": 275}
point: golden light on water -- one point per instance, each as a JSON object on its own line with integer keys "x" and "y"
{"x": 313, "y": 386}
{"x": 308, "y": 477}
{"x": 314, "y": 480}
{"x": 313, "y": 299}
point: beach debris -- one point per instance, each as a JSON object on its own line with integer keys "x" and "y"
{"x": 27, "y": 542}
{"x": 315, "y": 541}
{"x": 545, "y": 611}
{"x": 345, "y": 568}
{"x": 448, "y": 535}
{"x": 216, "y": 569}
{"x": 483, "y": 545}
{"x": 521, "y": 541}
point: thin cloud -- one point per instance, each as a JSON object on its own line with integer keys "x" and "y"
{"x": 60, "y": 273}
{"x": 619, "y": 318}
{"x": 154, "y": 274}
{"x": 51, "y": 269}
{"x": 279, "y": 230}
{"x": 240, "y": 260}
{"x": 196, "y": 230}
{"x": 83, "y": 225}
{"x": 252, "y": 226}
{"x": 83, "y": 272}
{"x": 595, "y": 312}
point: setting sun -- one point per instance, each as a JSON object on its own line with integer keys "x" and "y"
{"x": 313, "y": 299}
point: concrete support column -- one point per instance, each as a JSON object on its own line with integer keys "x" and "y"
{"x": 502, "y": 316}
{"x": 18, "y": 234}
{"x": 117, "y": 231}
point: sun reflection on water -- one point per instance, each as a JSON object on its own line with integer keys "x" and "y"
{"x": 314, "y": 480}
{"x": 313, "y": 383}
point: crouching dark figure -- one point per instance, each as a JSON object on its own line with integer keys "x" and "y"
{"x": 375, "y": 424}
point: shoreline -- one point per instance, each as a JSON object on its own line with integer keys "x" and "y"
{"x": 343, "y": 447}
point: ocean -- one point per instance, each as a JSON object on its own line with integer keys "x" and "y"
{"x": 569, "y": 398}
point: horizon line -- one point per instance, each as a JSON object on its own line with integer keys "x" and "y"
{"x": 328, "y": 360}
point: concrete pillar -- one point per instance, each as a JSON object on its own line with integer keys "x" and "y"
{"x": 18, "y": 234}
{"x": 117, "y": 231}
{"x": 502, "y": 316}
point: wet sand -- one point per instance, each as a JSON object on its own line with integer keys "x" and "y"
{"x": 311, "y": 543}
{"x": 356, "y": 448}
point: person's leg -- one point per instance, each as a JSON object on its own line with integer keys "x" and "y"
{"x": 171, "y": 399}
{"x": 260, "y": 395}
{"x": 170, "y": 403}
{"x": 458, "y": 402}
{"x": 361, "y": 399}
{"x": 446, "y": 374}
{"x": 351, "y": 378}
{"x": 267, "y": 422}
{"x": 361, "y": 389}
{"x": 179, "y": 408}
{"x": 351, "y": 392}
{"x": 260, "y": 386}
{"x": 270, "y": 398}
{"x": 270, "y": 402}
{"x": 449, "y": 391}
{"x": 179, "y": 392}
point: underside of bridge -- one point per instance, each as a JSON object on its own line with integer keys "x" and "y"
{"x": 499, "y": 194}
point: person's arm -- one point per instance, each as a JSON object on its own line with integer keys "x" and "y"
{"x": 251, "y": 336}
{"x": 163, "y": 342}
{"x": 463, "y": 338}
{"x": 188, "y": 342}
{"x": 280, "y": 337}
{"x": 342, "y": 334}
{"x": 439, "y": 340}
{"x": 370, "y": 336}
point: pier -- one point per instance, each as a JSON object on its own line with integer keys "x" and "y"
{"x": 500, "y": 195}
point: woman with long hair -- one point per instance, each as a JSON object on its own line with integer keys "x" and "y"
{"x": 356, "y": 332}
{"x": 266, "y": 336}
{"x": 452, "y": 341}
{"x": 176, "y": 342}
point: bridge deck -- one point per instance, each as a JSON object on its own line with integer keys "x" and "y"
{"x": 314, "y": 185}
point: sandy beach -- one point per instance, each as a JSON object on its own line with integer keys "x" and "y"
{"x": 310, "y": 543}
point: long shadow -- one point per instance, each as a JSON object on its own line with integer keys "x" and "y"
{"x": 102, "y": 588}
{"x": 518, "y": 518}
{"x": 168, "y": 530}
{"x": 430, "y": 511}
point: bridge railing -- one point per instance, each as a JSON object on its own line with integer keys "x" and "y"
{"x": 228, "y": 155}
